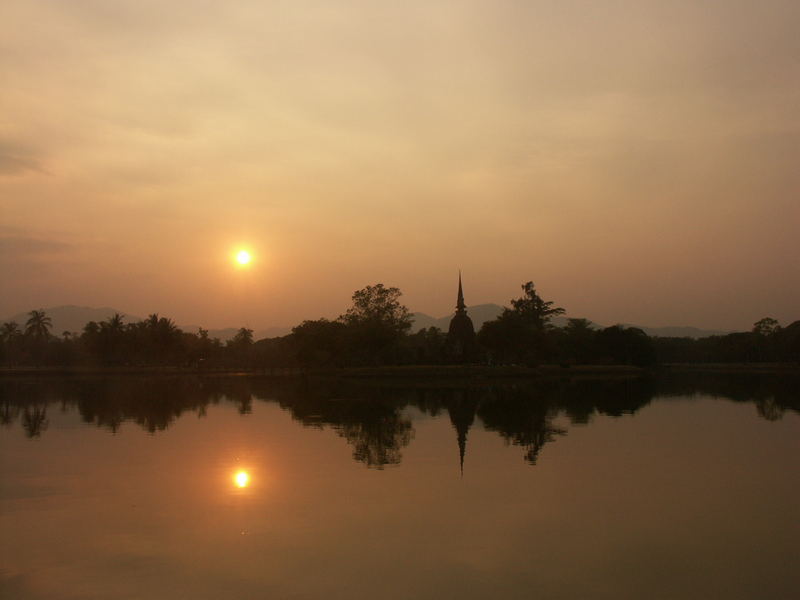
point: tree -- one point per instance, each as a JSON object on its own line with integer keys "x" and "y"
{"x": 788, "y": 342}
{"x": 376, "y": 323}
{"x": 519, "y": 333}
{"x": 115, "y": 323}
{"x": 239, "y": 348}
{"x": 200, "y": 348}
{"x": 10, "y": 342}
{"x": 37, "y": 332}
{"x": 159, "y": 340}
{"x": 38, "y": 324}
{"x": 378, "y": 304}
{"x": 533, "y": 309}
{"x": 765, "y": 333}
{"x": 626, "y": 345}
{"x": 766, "y": 326}
{"x": 427, "y": 346}
{"x": 319, "y": 343}
{"x": 243, "y": 337}
{"x": 112, "y": 339}
{"x": 509, "y": 339}
{"x": 9, "y": 331}
{"x": 579, "y": 340}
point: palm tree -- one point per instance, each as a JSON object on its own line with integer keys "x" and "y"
{"x": 10, "y": 343}
{"x": 115, "y": 323}
{"x": 160, "y": 338}
{"x": 37, "y": 331}
{"x": 9, "y": 331}
{"x": 38, "y": 325}
{"x": 112, "y": 335}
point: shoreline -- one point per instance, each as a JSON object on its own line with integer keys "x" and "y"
{"x": 417, "y": 371}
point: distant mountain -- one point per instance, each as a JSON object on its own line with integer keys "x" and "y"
{"x": 73, "y": 318}
{"x": 229, "y": 332}
{"x": 481, "y": 313}
{"x": 271, "y": 332}
{"x": 690, "y": 332}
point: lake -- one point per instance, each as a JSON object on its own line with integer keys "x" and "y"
{"x": 676, "y": 487}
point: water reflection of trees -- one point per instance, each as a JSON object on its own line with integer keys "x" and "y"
{"x": 773, "y": 395}
{"x": 152, "y": 403}
{"x": 374, "y": 419}
{"x": 34, "y": 420}
{"x": 371, "y": 420}
{"x": 522, "y": 421}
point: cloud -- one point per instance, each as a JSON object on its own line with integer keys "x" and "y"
{"x": 16, "y": 159}
{"x": 17, "y": 246}
{"x": 488, "y": 132}
{"x": 13, "y": 165}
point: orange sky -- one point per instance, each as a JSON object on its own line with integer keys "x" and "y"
{"x": 636, "y": 160}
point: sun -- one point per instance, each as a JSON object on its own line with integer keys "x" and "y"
{"x": 241, "y": 479}
{"x": 243, "y": 257}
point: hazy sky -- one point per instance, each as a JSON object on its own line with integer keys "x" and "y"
{"x": 638, "y": 160}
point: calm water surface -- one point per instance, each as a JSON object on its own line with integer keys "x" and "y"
{"x": 127, "y": 488}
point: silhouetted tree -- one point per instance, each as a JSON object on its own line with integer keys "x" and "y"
{"x": 508, "y": 340}
{"x": 381, "y": 305}
{"x": 37, "y": 334}
{"x": 376, "y": 323}
{"x": 240, "y": 346}
{"x": 11, "y": 351}
{"x": 162, "y": 340}
{"x": 201, "y": 350}
{"x": 427, "y": 346}
{"x": 519, "y": 333}
{"x": 38, "y": 324}
{"x": 766, "y": 326}
{"x": 533, "y": 309}
{"x": 9, "y": 331}
{"x": 787, "y": 342}
{"x": 626, "y": 346}
{"x": 765, "y": 334}
{"x": 112, "y": 340}
{"x": 579, "y": 341}
{"x": 319, "y": 343}
{"x": 766, "y": 342}
{"x": 243, "y": 337}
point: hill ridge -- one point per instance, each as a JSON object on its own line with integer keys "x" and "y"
{"x": 72, "y": 317}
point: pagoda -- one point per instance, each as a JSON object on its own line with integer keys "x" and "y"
{"x": 461, "y": 333}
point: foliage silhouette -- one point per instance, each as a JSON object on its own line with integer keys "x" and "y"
{"x": 38, "y": 324}
{"x": 376, "y": 323}
{"x": 519, "y": 334}
{"x": 374, "y": 420}
{"x": 374, "y": 331}
{"x": 767, "y": 342}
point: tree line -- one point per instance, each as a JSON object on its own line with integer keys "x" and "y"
{"x": 375, "y": 330}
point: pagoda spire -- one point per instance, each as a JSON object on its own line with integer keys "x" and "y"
{"x": 460, "y": 344}
{"x": 461, "y": 409}
{"x": 462, "y": 449}
{"x": 460, "y": 306}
